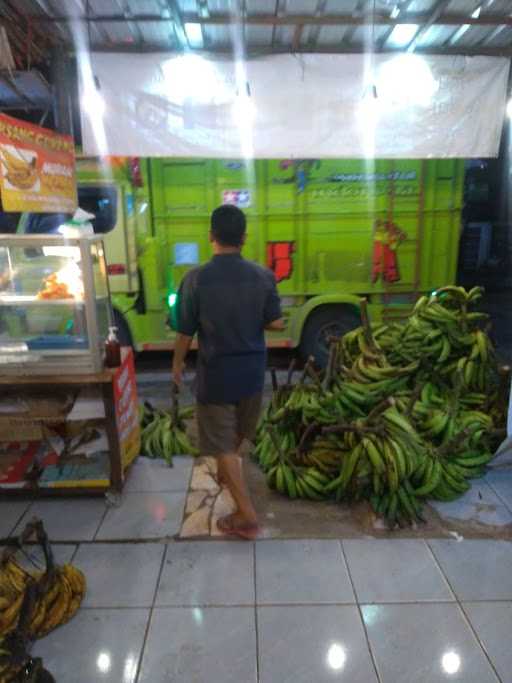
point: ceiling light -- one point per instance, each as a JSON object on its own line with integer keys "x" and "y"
{"x": 402, "y": 34}
{"x": 476, "y": 13}
{"x": 395, "y": 12}
{"x": 509, "y": 109}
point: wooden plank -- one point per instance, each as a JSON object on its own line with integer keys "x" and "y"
{"x": 48, "y": 381}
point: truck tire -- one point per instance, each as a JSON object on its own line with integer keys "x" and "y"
{"x": 324, "y": 322}
{"x": 123, "y": 331}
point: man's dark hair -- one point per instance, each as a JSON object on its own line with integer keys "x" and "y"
{"x": 228, "y": 225}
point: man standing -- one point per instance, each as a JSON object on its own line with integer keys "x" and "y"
{"x": 229, "y": 302}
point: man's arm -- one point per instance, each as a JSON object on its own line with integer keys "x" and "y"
{"x": 277, "y": 325}
{"x": 181, "y": 349}
{"x": 273, "y": 319}
{"x": 187, "y": 323}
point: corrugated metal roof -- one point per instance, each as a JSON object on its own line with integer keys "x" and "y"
{"x": 442, "y": 26}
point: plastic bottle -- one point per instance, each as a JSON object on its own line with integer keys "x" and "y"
{"x": 112, "y": 349}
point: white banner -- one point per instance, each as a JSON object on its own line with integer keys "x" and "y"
{"x": 293, "y": 106}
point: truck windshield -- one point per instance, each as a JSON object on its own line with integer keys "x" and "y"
{"x": 100, "y": 201}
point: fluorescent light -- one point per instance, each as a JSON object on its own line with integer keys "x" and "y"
{"x": 476, "y": 13}
{"x": 404, "y": 81}
{"x": 194, "y": 33}
{"x": 190, "y": 76}
{"x": 93, "y": 102}
{"x": 402, "y": 34}
{"x": 395, "y": 12}
{"x": 509, "y": 109}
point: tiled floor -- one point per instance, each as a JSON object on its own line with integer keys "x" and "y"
{"x": 365, "y": 610}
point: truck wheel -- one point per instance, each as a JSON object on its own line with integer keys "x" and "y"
{"x": 321, "y": 324}
{"x": 123, "y": 331}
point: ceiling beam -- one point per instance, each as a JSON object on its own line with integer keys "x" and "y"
{"x": 297, "y": 36}
{"x": 401, "y": 8}
{"x": 179, "y": 23}
{"x": 358, "y": 12}
{"x": 421, "y": 18}
{"x": 133, "y": 27}
{"x": 319, "y": 49}
{"x": 438, "y": 10}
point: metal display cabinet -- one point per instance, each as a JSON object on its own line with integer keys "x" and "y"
{"x": 55, "y": 305}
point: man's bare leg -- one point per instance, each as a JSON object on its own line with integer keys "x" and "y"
{"x": 221, "y": 478}
{"x": 232, "y": 474}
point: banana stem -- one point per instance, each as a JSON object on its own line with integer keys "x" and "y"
{"x": 380, "y": 408}
{"x": 330, "y": 367}
{"x": 305, "y": 370}
{"x": 307, "y": 433}
{"x": 275, "y": 384}
{"x": 455, "y": 442}
{"x": 175, "y": 407}
{"x": 368, "y": 333}
{"x": 358, "y": 429}
{"x": 291, "y": 370}
{"x": 314, "y": 376}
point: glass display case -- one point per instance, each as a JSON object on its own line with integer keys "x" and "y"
{"x": 54, "y": 304}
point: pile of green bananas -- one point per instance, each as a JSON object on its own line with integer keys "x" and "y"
{"x": 402, "y": 413}
{"x": 164, "y": 433}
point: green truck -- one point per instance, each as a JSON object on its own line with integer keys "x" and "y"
{"x": 332, "y": 231}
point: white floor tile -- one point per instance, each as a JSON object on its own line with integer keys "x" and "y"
{"x": 144, "y": 516}
{"x": 148, "y": 475}
{"x": 11, "y": 512}
{"x": 213, "y": 644}
{"x": 69, "y": 519}
{"x": 301, "y": 572}
{"x": 119, "y": 574}
{"x": 96, "y": 645}
{"x": 476, "y": 569}
{"x": 427, "y": 643}
{"x": 313, "y": 644}
{"x": 492, "y": 622}
{"x": 214, "y": 573}
{"x": 395, "y": 570}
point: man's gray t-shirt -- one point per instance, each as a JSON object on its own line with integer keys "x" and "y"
{"x": 228, "y": 302}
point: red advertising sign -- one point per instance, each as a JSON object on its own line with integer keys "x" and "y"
{"x": 37, "y": 168}
{"x": 127, "y": 409}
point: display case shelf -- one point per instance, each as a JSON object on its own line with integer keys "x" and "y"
{"x": 55, "y": 299}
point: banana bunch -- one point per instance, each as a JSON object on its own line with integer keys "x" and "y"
{"x": 13, "y": 582}
{"x": 400, "y": 507}
{"x": 446, "y": 479}
{"x": 162, "y": 436}
{"x": 20, "y": 173}
{"x": 59, "y": 597}
{"x": 60, "y": 601}
{"x": 295, "y": 482}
